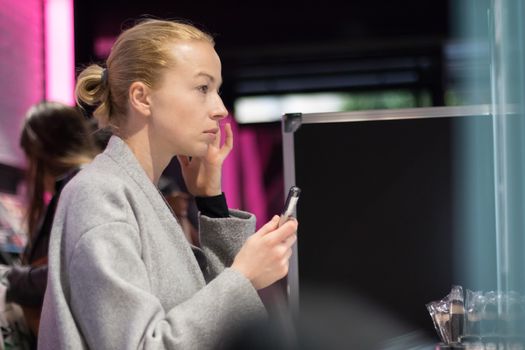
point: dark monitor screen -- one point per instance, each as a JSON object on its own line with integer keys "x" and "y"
{"x": 383, "y": 209}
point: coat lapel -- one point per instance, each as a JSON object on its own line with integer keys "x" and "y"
{"x": 119, "y": 151}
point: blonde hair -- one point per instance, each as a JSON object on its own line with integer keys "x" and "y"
{"x": 140, "y": 53}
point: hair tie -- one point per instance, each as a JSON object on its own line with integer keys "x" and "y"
{"x": 104, "y": 78}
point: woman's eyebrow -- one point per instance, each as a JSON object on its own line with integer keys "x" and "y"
{"x": 209, "y": 76}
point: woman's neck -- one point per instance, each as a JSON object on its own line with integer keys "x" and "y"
{"x": 150, "y": 157}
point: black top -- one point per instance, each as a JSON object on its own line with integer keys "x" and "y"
{"x": 213, "y": 207}
{"x": 27, "y": 284}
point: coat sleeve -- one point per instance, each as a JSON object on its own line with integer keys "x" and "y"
{"x": 114, "y": 307}
{"x": 222, "y": 238}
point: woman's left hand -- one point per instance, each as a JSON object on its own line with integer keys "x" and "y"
{"x": 202, "y": 175}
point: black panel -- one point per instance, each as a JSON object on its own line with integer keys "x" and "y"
{"x": 379, "y": 213}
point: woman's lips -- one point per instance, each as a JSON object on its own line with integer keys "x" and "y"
{"x": 212, "y": 131}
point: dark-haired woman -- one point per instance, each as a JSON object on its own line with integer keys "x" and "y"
{"x": 57, "y": 143}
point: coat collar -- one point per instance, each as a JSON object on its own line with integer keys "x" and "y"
{"x": 119, "y": 152}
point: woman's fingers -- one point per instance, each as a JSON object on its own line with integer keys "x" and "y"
{"x": 288, "y": 254}
{"x": 282, "y": 233}
{"x": 217, "y": 141}
{"x": 228, "y": 140}
{"x": 269, "y": 226}
{"x": 290, "y": 241}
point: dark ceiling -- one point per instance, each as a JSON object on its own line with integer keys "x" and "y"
{"x": 276, "y": 33}
{"x": 241, "y": 24}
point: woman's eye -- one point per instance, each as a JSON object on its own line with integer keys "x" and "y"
{"x": 203, "y": 88}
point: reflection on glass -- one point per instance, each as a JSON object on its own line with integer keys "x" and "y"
{"x": 507, "y": 33}
{"x": 494, "y": 257}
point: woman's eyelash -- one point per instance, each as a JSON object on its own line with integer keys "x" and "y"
{"x": 206, "y": 89}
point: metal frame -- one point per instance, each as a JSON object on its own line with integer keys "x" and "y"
{"x": 292, "y": 122}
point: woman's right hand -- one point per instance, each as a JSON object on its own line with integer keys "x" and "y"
{"x": 264, "y": 257}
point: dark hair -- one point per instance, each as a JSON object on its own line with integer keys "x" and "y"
{"x": 55, "y": 139}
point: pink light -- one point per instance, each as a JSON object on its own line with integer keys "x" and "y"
{"x": 252, "y": 176}
{"x": 103, "y": 45}
{"x": 60, "y": 54}
{"x": 230, "y": 173}
{"x": 242, "y": 177}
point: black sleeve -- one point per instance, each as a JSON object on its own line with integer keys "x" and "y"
{"x": 213, "y": 207}
{"x": 27, "y": 285}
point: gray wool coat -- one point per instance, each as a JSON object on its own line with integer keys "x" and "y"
{"x": 123, "y": 276}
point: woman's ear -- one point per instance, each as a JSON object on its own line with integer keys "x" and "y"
{"x": 140, "y": 98}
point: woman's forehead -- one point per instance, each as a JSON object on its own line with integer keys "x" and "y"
{"x": 196, "y": 59}
{"x": 200, "y": 53}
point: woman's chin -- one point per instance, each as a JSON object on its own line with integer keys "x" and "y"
{"x": 199, "y": 152}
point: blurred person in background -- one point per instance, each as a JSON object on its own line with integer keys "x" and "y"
{"x": 180, "y": 201}
{"x": 122, "y": 273}
{"x": 56, "y": 141}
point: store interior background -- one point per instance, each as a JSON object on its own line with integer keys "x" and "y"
{"x": 369, "y": 54}
{"x": 279, "y": 56}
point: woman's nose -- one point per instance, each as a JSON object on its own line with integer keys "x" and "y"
{"x": 220, "y": 111}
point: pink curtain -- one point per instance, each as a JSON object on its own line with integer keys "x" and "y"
{"x": 252, "y": 176}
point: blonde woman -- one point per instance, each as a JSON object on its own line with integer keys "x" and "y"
{"x": 122, "y": 274}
